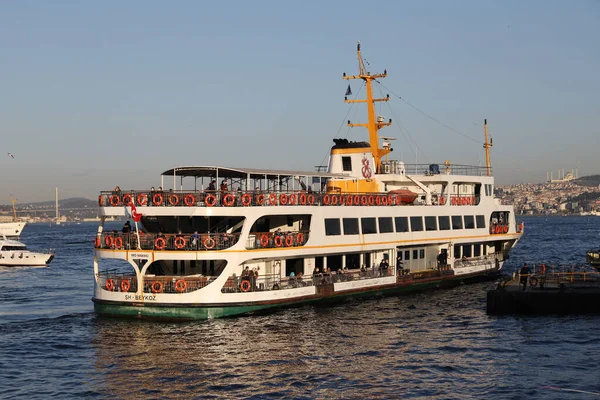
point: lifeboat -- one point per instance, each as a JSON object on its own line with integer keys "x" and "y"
{"x": 406, "y": 196}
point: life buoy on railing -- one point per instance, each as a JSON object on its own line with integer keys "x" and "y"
{"x": 347, "y": 200}
{"x": 157, "y": 287}
{"x": 246, "y": 199}
{"x": 180, "y": 242}
{"x": 264, "y": 240}
{"x": 142, "y": 199}
{"x": 498, "y": 229}
{"x": 326, "y": 200}
{"x": 273, "y": 199}
{"x": 209, "y": 243}
{"x": 110, "y": 285}
{"x": 453, "y": 201}
{"x": 118, "y": 242}
{"x": 390, "y": 199}
{"x": 283, "y": 199}
{"x": 363, "y": 200}
{"x": 114, "y": 200}
{"x": 533, "y": 282}
{"x": 210, "y": 200}
{"x": 334, "y": 200}
{"x": 245, "y": 286}
{"x": 157, "y": 199}
{"x": 160, "y": 243}
{"x": 228, "y": 200}
{"x": 278, "y": 241}
{"x": 125, "y": 286}
{"x": 101, "y": 201}
{"x": 520, "y": 227}
{"x": 292, "y": 199}
{"x": 108, "y": 241}
{"x": 384, "y": 201}
{"x": 310, "y": 199}
{"x": 289, "y": 241}
{"x": 441, "y": 200}
{"x": 174, "y": 199}
{"x": 505, "y": 229}
{"x": 377, "y": 200}
{"x": 127, "y": 199}
{"x": 302, "y": 199}
{"x": 356, "y": 199}
{"x": 97, "y": 242}
{"x": 370, "y": 200}
{"x": 189, "y": 200}
{"x": 180, "y": 285}
{"x": 300, "y": 238}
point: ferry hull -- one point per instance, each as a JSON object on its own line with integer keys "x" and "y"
{"x": 189, "y": 312}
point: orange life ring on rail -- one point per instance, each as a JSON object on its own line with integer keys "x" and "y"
{"x": 125, "y": 286}
{"x": 283, "y": 199}
{"x": 273, "y": 199}
{"x": 334, "y": 200}
{"x": 260, "y": 199}
{"x": 174, "y": 199}
{"x": 189, "y": 200}
{"x": 292, "y": 199}
{"x": 441, "y": 200}
{"x": 209, "y": 243}
{"x": 180, "y": 285}
{"x": 245, "y": 286}
{"x": 210, "y": 200}
{"x": 159, "y": 243}
{"x": 264, "y": 240}
{"x": 101, "y": 201}
{"x": 498, "y": 229}
{"x": 363, "y": 200}
{"x": 180, "y": 242}
{"x": 356, "y": 200}
{"x": 310, "y": 199}
{"x": 118, "y": 242}
{"x": 246, "y": 199}
{"x": 371, "y": 200}
{"x": 142, "y": 199}
{"x": 326, "y": 200}
{"x": 110, "y": 285}
{"x": 127, "y": 200}
{"x": 278, "y": 241}
{"x": 228, "y": 200}
{"x": 300, "y": 238}
{"x": 157, "y": 287}
{"x": 505, "y": 229}
{"x": 289, "y": 241}
{"x": 108, "y": 241}
{"x": 302, "y": 199}
{"x": 157, "y": 199}
{"x": 114, "y": 200}
{"x": 97, "y": 242}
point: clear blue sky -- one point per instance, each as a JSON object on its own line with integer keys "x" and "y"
{"x": 98, "y": 94}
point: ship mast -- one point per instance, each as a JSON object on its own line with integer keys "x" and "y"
{"x": 374, "y": 124}
{"x": 486, "y": 146}
{"x": 12, "y": 200}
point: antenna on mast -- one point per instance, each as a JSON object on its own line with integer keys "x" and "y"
{"x": 486, "y": 146}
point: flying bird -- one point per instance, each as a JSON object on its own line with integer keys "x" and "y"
{"x": 11, "y": 155}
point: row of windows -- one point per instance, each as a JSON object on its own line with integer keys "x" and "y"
{"x": 368, "y": 225}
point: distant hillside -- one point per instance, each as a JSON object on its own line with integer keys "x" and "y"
{"x": 75, "y": 202}
{"x": 592, "y": 180}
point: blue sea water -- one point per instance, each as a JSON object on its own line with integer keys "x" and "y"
{"x": 435, "y": 345}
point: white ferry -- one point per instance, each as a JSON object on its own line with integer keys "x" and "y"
{"x": 225, "y": 241}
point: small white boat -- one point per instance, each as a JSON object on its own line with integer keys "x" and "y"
{"x": 15, "y": 254}
{"x": 12, "y": 229}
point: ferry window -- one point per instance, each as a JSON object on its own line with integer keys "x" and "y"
{"x": 480, "y": 221}
{"x": 466, "y": 250}
{"x": 407, "y": 255}
{"x": 422, "y": 253}
{"x": 444, "y": 222}
{"x": 416, "y": 224}
{"x": 457, "y": 222}
{"x": 332, "y": 227}
{"x": 346, "y": 163}
{"x": 430, "y": 223}
{"x": 415, "y": 254}
{"x": 368, "y": 225}
{"x": 476, "y": 250}
{"x": 350, "y": 226}
{"x": 457, "y": 252}
{"x": 469, "y": 222}
{"x": 386, "y": 225}
{"x": 401, "y": 224}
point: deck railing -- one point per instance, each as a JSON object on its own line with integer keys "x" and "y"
{"x": 264, "y": 240}
{"x": 115, "y": 240}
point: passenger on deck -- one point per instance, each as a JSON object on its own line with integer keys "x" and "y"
{"x": 524, "y": 275}
{"x": 194, "y": 239}
{"x": 212, "y": 187}
{"x": 363, "y": 271}
{"x": 255, "y": 196}
{"x": 223, "y": 191}
{"x": 542, "y": 272}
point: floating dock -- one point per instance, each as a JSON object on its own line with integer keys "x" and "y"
{"x": 566, "y": 290}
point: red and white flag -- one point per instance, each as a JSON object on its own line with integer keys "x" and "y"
{"x": 134, "y": 214}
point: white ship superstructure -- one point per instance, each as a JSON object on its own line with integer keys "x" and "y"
{"x": 225, "y": 241}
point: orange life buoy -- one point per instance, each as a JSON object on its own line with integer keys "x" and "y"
{"x": 370, "y": 200}
{"x": 289, "y": 241}
{"x": 334, "y": 200}
{"x": 114, "y": 200}
{"x": 228, "y": 200}
{"x": 142, "y": 199}
{"x": 157, "y": 199}
{"x": 189, "y": 200}
{"x": 245, "y": 286}
{"x": 246, "y": 199}
{"x": 283, "y": 199}
{"x": 310, "y": 199}
{"x": 209, "y": 243}
{"x": 441, "y": 200}
{"x": 505, "y": 229}
{"x": 390, "y": 199}
{"x": 300, "y": 238}
{"x": 377, "y": 200}
{"x": 363, "y": 200}
{"x": 356, "y": 199}
{"x": 264, "y": 240}
{"x": 108, "y": 241}
{"x": 465, "y": 201}
{"x": 180, "y": 242}
{"x": 260, "y": 199}
{"x": 292, "y": 199}
{"x": 326, "y": 200}
{"x": 159, "y": 243}
{"x": 278, "y": 241}
{"x": 173, "y": 199}
{"x": 127, "y": 200}
{"x": 125, "y": 286}
{"x": 302, "y": 199}
{"x": 180, "y": 285}
{"x": 349, "y": 200}
{"x": 97, "y": 242}
{"x": 273, "y": 199}
{"x": 210, "y": 200}
{"x": 101, "y": 201}
{"x": 498, "y": 229}
{"x": 520, "y": 227}
{"x": 110, "y": 284}
{"x": 384, "y": 201}
{"x": 453, "y": 201}
{"x": 118, "y": 242}
{"x": 157, "y": 287}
